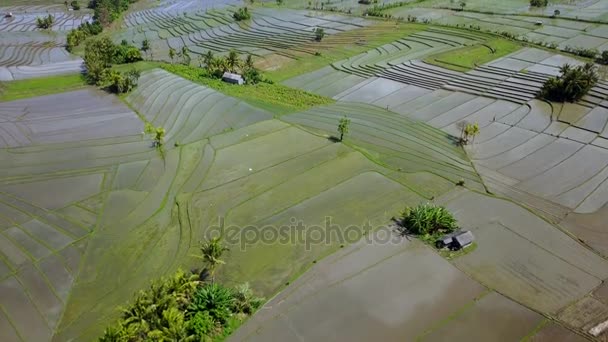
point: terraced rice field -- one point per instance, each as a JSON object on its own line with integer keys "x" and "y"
{"x": 560, "y": 32}
{"x": 24, "y": 19}
{"x": 383, "y": 61}
{"x": 523, "y": 256}
{"x": 27, "y": 52}
{"x": 586, "y": 10}
{"x": 398, "y": 142}
{"x": 148, "y": 210}
{"x": 269, "y": 31}
{"x": 528, "y": 149}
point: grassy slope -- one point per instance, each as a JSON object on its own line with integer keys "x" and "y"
{"x": 276, "y": 98}
{"x": 468, "y": 57}
{"x": 344, "y": 45}
{"x": 16, "y": 90}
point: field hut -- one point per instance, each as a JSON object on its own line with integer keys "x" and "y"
{"x": 462, "y": 240}
{"x": 446, "y": 240}
{"x": 233, "y": 78}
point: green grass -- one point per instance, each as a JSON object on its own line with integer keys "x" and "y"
{"x": 276, "y": 98}
{"x": 468, "y": 57}
{"x": 341, "y": 46}
{"x": 140, "y": 66}
{"x": 16, "y": 90}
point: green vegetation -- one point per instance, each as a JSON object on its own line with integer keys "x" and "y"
{"x": 468, "y": 57}
{"x": 427, "y": 221}
{"x": 75, "y": 5}
{"x": 571, "y": 85}
{"x": 539, "y": 3}
{"x": 145, "y": 47}
{"x": 343, "y": 126}
{"x": 182, "y": 307}
{"x": 77, "y": 36}
{"x": 273, "y": 97}
{"x": 241, "y": 14}
{"x": 185, "y": 306}
{"x": 468, "y": 131}
{"x": 16, "y": 90}
{"x": 106, "y": 11}
{"x": 45, "y": 23}
{"x": 99, "y": 56}
{"x": 211, "y": 252}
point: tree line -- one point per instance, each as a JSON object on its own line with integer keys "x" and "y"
{"x": 105, "y": 12}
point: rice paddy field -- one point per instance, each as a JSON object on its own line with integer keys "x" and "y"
{"x": 270, "y": 31}
{"x": 27, "y": 52}
{"x": 91, "y": 211}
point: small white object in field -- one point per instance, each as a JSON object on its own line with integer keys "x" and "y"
{"x": 250, "y": 169}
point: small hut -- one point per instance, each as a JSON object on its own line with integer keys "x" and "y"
{"x": 233, "y": 78}
{"x": 455, "y": 240}
{"x": 462, "y": 240}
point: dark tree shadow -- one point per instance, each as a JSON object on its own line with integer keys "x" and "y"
{"x": 333, "y": 139}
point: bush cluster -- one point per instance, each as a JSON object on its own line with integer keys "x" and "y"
{"x": 428, "y": 220}
{"x": 182, "y": 307}
{"x": 241, "y": 14}
{"x": 78, "y": 35}
{"x": 45, "y": 23}
{"x": 571, "y": 85}
{"x": 539, "y": 3}
{"x": 99, "y": 56}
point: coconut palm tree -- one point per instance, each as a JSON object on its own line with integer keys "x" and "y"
{"x": 249, "y": 62}
{"x": 232, "y": 61}
{"x": 171, "y": 54}
{"x": 185, "y": 55}
{"x": 212, "y": 251}
{"x": 208, "y": 58}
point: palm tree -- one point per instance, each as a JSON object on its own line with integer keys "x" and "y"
{"x": 185, "y": 55}
{"x": 208, "y": 58}
{"x": 249, "y": 62}
{"x": 232, "y": 61}
{"x": 171, "y": 54}
{"x": 212, "y": 251}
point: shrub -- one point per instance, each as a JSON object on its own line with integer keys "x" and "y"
{"x": 45, "y": 23}
{"x": 571, "y": 85}
{"x": 241, "y": 14}
{"x": 539, "y": 3}
{"x": 125, "y": 53}
{"x": 75, "y": 5}
{"x": 118, "y": 82}
{"x": 603, "y": 59}
{"x": 215, "y": 299}
{"x": 201, "y": 324}
{"x": 428, "y": 220}
{"x": 245, "y": 301}
{"x": 319, "y": 33}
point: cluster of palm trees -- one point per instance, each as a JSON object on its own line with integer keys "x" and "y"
{"x": 232, "y": 62}
{"x": 183, "y": 54}
{"x": 185, "y": 306}
{"x": 571, "y": 85}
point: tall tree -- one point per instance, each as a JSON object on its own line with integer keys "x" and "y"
{"x": 343, "y": 127}
{"x": 145, "y": 45}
